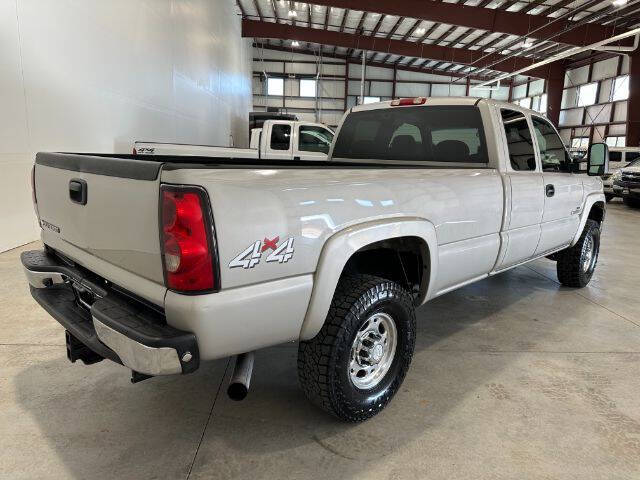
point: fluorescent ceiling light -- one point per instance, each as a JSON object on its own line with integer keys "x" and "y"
{"x": 293, "y": 13}
{"x": 295, "y": 43}
{"x": 528, "y": 43}
{"x": 420, "y": 31}
{"x": 619, "y": 3}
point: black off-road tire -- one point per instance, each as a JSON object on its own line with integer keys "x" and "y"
{"x": 323, "y": 362}
{"x": 570, "y": 261}
{"x": 631, "y": 202}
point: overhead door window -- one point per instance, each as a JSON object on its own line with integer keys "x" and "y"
{"x": 519, "y": 141}
{"x": 280, "y": 137}
{"x": 553, "y": 155}
{"x": 315, "y": 139}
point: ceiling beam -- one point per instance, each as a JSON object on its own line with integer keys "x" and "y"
{"x": 256, "y": 29}
{"x": 495, "y": 20}
{"x": 375, "y": 63}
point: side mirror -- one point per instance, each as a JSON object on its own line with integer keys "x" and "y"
{"x": 598, "y": 159}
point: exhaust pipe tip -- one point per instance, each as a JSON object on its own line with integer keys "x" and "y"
{"x": 241, "y": 377}
{"x": 237, "y": 391}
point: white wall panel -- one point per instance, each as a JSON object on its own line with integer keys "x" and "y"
{"x": 605, "y": 91}
{"x": 605, "y": 69}
{"x": 571, "y": 117}
{"x": 304, "y": 68}
{"x": 269, "y": 67}
{"x": 412, "y": 90}
{"x": 519, "y": 91}
{"x": 448, "y": 90}
{"x": 331, "y": 70}
{"x": 95, "y": 76}
{"x": 372, "y": 73}
{"x": 569, "y": 97}
{"x": 619, "y": 129}
{"x": 576, "y": 76}
{"x": 566, "y": 136}
{"x": 625, "y": 65}
{"x": 536, "y": 87}
{"x": 501, "y": 93}
{"x": 598, "y": 133}
{"x": 381, "y": 89}
{"x": 598, "y": 113}
{"x": 332, "y": 88}
{"x": 620, "y": 112}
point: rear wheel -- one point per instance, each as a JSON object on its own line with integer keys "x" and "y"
{"x": 354, "y": 366}
{"x": 576, "y": 264}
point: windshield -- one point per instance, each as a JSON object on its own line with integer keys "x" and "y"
{"x": 449, "y": 134}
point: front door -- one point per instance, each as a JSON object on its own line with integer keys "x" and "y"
{"x": 562, "y": 189}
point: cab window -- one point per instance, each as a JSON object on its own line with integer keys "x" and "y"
{"x": 553, "y": 155}
{"x": 315, "y": 139}
{"x": 280, "y": 136}
{"x": 519, "y": 141}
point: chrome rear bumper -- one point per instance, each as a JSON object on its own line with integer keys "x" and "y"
{"x": 107, "y": 322}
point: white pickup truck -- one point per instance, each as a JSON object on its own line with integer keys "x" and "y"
{"x": 276, "y": 140}
{"x": 161, "y": 262}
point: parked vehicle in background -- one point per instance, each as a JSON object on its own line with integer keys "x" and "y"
{"x": 158, "y": 263}
{"x": 619, "y": 157}
{"x": 276, "y": 140}
{"x": 257, "y": 119}
{"x": 626, "y": 183}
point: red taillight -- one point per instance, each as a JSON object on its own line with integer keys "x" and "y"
{"x": 401, "y": 102}
{"x": 187, "y": 240}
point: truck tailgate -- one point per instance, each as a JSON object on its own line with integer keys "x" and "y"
{"x": 98, "y": 207}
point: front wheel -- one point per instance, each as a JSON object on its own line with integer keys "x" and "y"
{"x": 576, "y": 264}
{"x": 354, "y": 366}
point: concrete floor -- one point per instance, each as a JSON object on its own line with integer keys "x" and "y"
{"x": 513, "y": 377}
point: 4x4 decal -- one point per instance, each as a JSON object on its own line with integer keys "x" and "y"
{"x": 251, "y": 256}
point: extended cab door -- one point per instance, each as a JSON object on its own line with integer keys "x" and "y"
{"x": 562, "y": 189}
{"x": 277, "y": 141}
{"x": 524, "y": 191}
{"x": 312, "y": 142}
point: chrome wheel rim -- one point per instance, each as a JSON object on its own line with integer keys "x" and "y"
{"x": 589, "y": 253}
{"x": 373, "y": 351}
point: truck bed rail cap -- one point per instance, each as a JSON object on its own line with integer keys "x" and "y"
{"x": 123, "y": 166}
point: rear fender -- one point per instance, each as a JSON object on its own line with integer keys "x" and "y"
{"x": 341, "y": 246}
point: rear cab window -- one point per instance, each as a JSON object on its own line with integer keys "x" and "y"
{"x": 436, "y": 135}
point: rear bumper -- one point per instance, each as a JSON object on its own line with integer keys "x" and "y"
{"x": 107, "y": 322}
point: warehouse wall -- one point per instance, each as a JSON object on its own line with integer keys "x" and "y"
{"x": 331, "y": 103}
{"x": 94, "y": 76}
{"x": 605, "y": 117}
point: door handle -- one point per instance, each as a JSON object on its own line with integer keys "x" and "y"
{"x": 550, "y": 190}
{"x": 78, "y": 191}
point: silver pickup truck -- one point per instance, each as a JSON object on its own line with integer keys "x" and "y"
{"x": 159, "y": 263}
